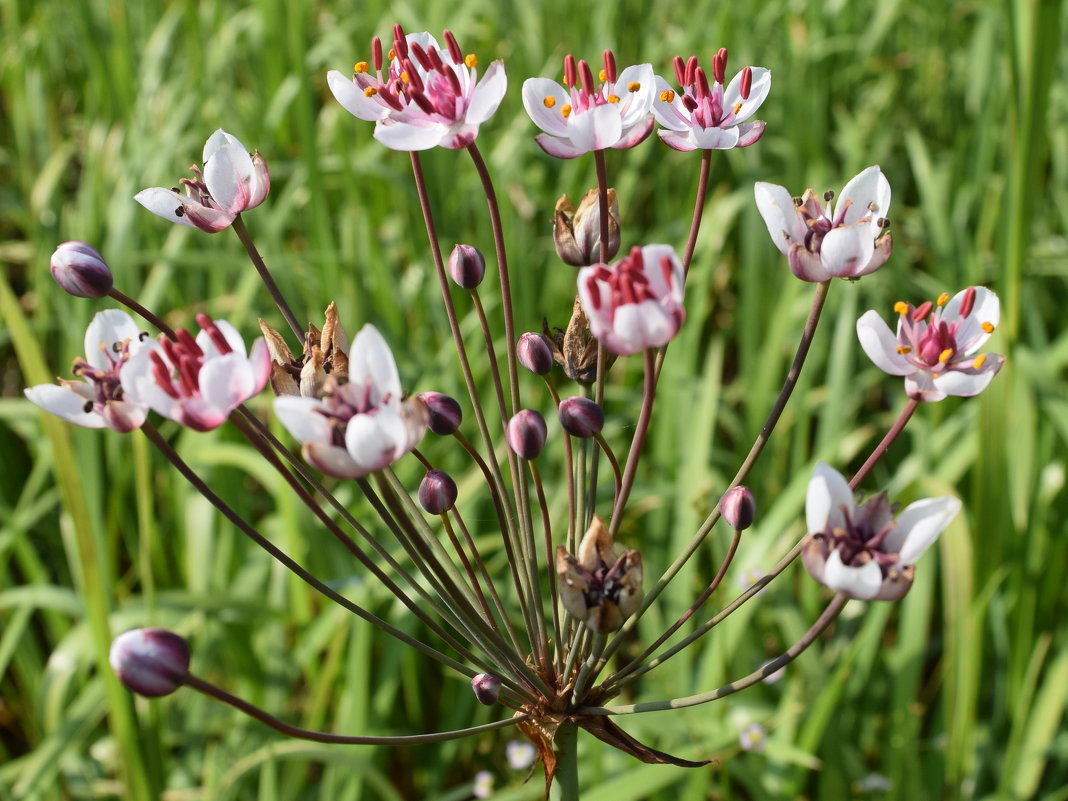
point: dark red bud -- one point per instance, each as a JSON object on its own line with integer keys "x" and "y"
{"x": 437, "y": 492}
{"x": 151, "y": 662}
{"x": 467, "y": 266}
{"x": 526, "y": 433}
{"x": 80, "y": 270}
{"x": 487, "y": 688}
{"x": 738, "y": 507}
{"x": 534, "y": 353}
{"x": 443, "y": 412}
{"x": 581, "y": 417}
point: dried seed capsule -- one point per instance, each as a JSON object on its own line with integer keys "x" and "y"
{"x": 151, "y": 662}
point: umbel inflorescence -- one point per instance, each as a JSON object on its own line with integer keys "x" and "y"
{"x": 539, "y": 640}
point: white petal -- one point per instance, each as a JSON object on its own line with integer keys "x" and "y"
{"x": 352, "y": 98}
{"x": 105, "y": 329}
{"x": 847, "y": 250}
{"x": 557, "y": 147}
{"x": 879, "y": 342}
{"x": 919, "y": 526}
{"x": 551, "y": 120}
{"x": 967, "y": 384}
{"x": 227, "y": 381}
{"x": 302, "y": 420}
{"x": 672, "y": 115}
{"x": 636, "y": 104}
{"x": 678, "y": 140}
{"x": 921, "y": 386}
{"x": 65, "y": 403}
{"x": 375, "y": 440}
{"x": 716, "y": 138}
{"x": 371, "y": 358}
{"x": 595, "y": 129}
{"x": 856, "y": 582}
{"x": 828, "y": 493}
{"x": 868, "y": 194}
{"x": 488, "y": 94}
{"x": 777, "y": 208}
{"x": 758, "y": 93}
{"x": 163, "y": 202}
{"x": 219, "y": 139}
{"x": 409, "y": 137}
{"x": 229, "y": 175}
{"x": 970, "y": 335}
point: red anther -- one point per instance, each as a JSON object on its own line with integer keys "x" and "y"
{"x": 635, "y": 258}
{"x": 595, "y": 292}
{"x": 967, "y": 302}
{"x": 609, "y": 66}
{"x": 747, "y": 82}
{"x": 586, "y": 76}
{"x": 376, "y": 53}
{"x": 665, "y": 268}
{"x": 602, "y": 273}
{"x": 435, "y": 60}
{"x": 187, "y": 343}
{"x": 188, "y": 375}
{"x": 689, "y": 102}
{"x": 703, "y": 89}
{"x": 569, "y": 71}
{"x": 719, "y": 65}
{"x": 421, "y": 100}
{"x": 420, "y": 55}
{"x": 454, "y": 48}
{"x": 680, "y": 70}
{"x": 400, "y": 44}
{"x": 415, "y": 82}
{"x": 391, "y": 99}
{"x": 162, "y": 375}
{"x": 626, "y": 289}
{"x": 922, "y": 311}
{"x": 691, "y": 66}
{"x": 212, "y": 330}
{"x": 454, "y": 82}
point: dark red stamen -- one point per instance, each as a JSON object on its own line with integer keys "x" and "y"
{"x": 376, "y": 53}
{"x": 609, "y": 66}
{"x": 212, "y": 330}
{"x": 691, "y": 66}
{"x": 435, "y": 61}
{"x": 420, "y": 55}
{"x": 967, "y": 302}
{"x": 719, "y": 65}
{"x": 594, "y": 291}
{"x": 162, "y": 375}
{"x": 400, "y": 44}
{"x": 680, "y": 70}
{"x": 415, "y": 83}
{"x": 186, "y": 343}
{"x": 454, "y": 48}
{"x": 747, "y": 82}
{"x": 454, "y": 82}
{"x": 188, "y": 375}
{"x": 703, "y": 89}
{"x": 586, "y": 76}
{"x": 922, "y": 311}
{"x": 569, "y": 71}
{"x": 665, "y": 268}
{"x": 390, "y": 98}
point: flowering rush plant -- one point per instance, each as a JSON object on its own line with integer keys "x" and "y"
{"x": 541, "y": 639}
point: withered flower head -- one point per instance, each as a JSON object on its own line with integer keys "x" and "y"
{"x": 577, "y": 233}
{"x": 325, "y": 353}
{"x": 575, "y": 349}
{"x": 603, "y": 586}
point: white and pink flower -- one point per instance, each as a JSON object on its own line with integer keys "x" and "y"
{"x": 864, "y": 551}
{"x": 581, "y": 116}
{"x": 197, "y": 382}
{"x": 637, "y": 302}
{"x": 937, "y": 344}
{"x": 98, "y": 400}
{"x": 841, "y": 241}
{"x": 709, "y": 117}
{"x": 426, "y": 97}
{"x": 359, "y": 426}
{"x": 231, "y": 182}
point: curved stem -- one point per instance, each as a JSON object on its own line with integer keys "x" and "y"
{"x": 136, "y": 307}
{"x": 698, "y": 209}
{"x": 267, "y": 278}
{"x": 887, "y": 441}
{"x": 645, "y": 416}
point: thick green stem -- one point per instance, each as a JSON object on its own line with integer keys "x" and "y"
{"x": 566, "y": 778}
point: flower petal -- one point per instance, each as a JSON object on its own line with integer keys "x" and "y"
{"x": 303, "y": 420}
{"x": 670, "y": 114}
{"x": 596, "y": 129}
{"x": 758, "y": 93}
{"x": 64, "y": 402}
{"x": 777, "y": 208}
{"x": 847, "y": 250}
{"x": 966, "y": 382}
{"x": 371, "y": 361}
{"x": 229, "y": 174}
{"x": 677, "y": 140}
{"x": 919, "y": 526}
{"x": 866, "y": 195}
{"x": 879, "y": 342}
{"x": 352, "y": 98}
{"x": 549, "y": 118}
{"x": 827, "y": 495}
{"x": 806, "y": 265}
{"x": 750, "y": 132}
{"x": 164, "y": 203}
{"x": 409, "y": 136}
{"x": 107, "y": 328}
{"x": 970, "y": 334}
{"x": 861, "y": 582}
{"x": 715, "y": 138}
{"x": 488, "y": 94}
{"x": 557, "y": 147}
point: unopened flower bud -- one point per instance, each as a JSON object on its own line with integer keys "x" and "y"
{"x": 581, "y": 417}
{"x": 151, "y": 662}
{"x": 80, "y": 270}
{"x": 467, "y": 266}
{"x": 535, "y": 353}
{"x": 738, "y": 507}
{"x": 437, "y": 492}
{"x": 526, "y": 433}
{"x": 487, "y": 688}
{"x": 577, "y": 233}
{"x": 444, "y": 413}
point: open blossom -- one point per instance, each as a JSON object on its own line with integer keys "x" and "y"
{"x": 863, "y": 551}
{"x": 637, "y": 302}
{"x": 841, "y": 241}
{"x": 709, "y": 117}
{"x": 98, "y": 400}
{"x": 580, "y": 116}
{"x": 231, "y": 182}
{"x": 359, "y": 426}
{"x": 427, "y": 97}
{"x": 937, "y": 343}
{"x": 197, "y": 382}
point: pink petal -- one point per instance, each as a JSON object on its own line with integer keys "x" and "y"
{"x": 677, "y": 140}
{"x": 919, "y": 526}
{"x": 596, "y": 129}
{"x": 557, "y": 147}
{"x": 827, "y": 494}
{"x": 806, "y": 265}
{"x": 847, "y": 250}
{"x": 879, "y": 342}
{"x": 352, "y": 98}
{"x": 777, "y": 208}
{"x": 857, "y": 582}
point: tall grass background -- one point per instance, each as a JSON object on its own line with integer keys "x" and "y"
{"x": 957, "y": 692}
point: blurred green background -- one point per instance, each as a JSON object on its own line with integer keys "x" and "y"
{"x": 956, "y": 692}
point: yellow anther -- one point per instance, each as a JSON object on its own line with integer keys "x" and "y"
{"x": 549, "y": 102}
{"x": 901, "y": 308}
{"x": 943, "y": 299}
{"x": 988, "y": 327}
{"x": 612, "y": 98}
{"x": 471, "y": 60}
{"x": 370, "y": 91}
{"x": 979, "y": 361}
{"x": 566, "y": 110}
{"x": 361, "y": 67}
{"x": 737, "y": 107}
{"x": 602, "y": 76}
{"x": 903, "y": 349}
{"x": 633, "y": 86}
{"x": 945, "y": 355}
{"x": 667, "y": 95}
{"x": 392, "y": 54}
{"x": 404, "y": 77}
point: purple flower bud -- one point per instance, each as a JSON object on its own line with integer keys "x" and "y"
{"x": 437, "y": 492}
{"x": 80, "y": 270}
{"x": 487, "y": 688}
{"x": 526, "y": 433}
{"x": 467, "y": 266}
{"x": 738, "y": 507}
{"x": 445, "y": 414}
{"x": 581, "y": 417}
{"x": 534, "y": 353}
{"x": 151, "y": 662}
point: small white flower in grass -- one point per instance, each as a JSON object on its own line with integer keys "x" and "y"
{"x": 359, "y": 426}
{"x": 709, "y": 117}
{"x": 197, "y": 382}
{"x": 426, "y": 97}
{"x": 483, "y": 784}
{"x": 864, "y": 551}
{"x": 232, "y": 181}
{"x": 753, "y": 738}
{"x": 520, "y": 755}
{"x": 98, "y": 400}
{"x": 581, "y": 115}
{"x": 842, "y": 241}
{"x": 937, "y": 343}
